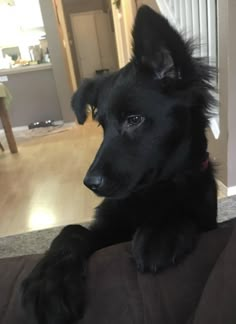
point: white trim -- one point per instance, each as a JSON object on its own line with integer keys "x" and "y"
{"x": 117, "y": 17}
{"x": 16, "y": 129}
{"x": 215, "y": 125}
{"x": 23, "y": 128}
{"x": 231, "y": 191}
{"x": 226, "y": 191}
{"x": 222, "y": 188}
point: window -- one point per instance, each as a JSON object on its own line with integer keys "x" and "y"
{"x": 198, "y": 20}
{"x": 22, "y": 34}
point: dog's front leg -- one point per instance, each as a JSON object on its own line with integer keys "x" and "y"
{"x": 158, "y": 247}
{"x": 54, "y": 292}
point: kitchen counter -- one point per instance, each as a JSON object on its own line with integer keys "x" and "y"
{"x": 34, "y": 94}
{"x": 24, "y": 69}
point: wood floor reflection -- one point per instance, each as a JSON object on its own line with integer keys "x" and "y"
{"x": 42, "y": 186}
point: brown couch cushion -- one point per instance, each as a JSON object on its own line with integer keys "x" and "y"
{"x": 218, "y": 301}
{"x": 117, "y": 294}
{"x": 12, "y": 272}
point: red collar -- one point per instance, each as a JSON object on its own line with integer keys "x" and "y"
{"x": 205, "y": 163}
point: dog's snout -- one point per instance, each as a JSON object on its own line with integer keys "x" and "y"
{"x": 93, "y": 182}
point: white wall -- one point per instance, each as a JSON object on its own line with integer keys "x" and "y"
{"x": 61, "y": 77}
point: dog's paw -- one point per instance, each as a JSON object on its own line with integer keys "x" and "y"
{"x": 157, "y": 249}
{"x": 54, "y": 292}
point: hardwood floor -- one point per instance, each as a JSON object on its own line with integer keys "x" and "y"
{"x": 42, "y": 185}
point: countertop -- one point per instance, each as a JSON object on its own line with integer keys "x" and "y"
{"x": 25, "y": 69}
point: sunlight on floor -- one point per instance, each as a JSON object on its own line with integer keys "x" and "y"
{"x": 41, "y": 218}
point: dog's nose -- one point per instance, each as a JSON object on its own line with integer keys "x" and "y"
{"x": 93, "y": 182}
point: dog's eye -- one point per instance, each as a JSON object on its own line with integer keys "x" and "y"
{"x": 134, "y": 120}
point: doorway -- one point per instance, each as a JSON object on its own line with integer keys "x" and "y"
{"x": 94, "y": 43}
{"x": 89, "y": 37}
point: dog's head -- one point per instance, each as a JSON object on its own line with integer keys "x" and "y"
{"x": 152, "y": 111}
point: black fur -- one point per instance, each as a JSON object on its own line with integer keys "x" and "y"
{"x": 152, "y": 168}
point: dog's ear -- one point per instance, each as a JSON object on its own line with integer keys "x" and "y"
{"x": 84, "y": 96}
{"x": 158, "y": 47}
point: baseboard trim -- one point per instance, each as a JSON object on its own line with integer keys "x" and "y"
{"x": 222, "y": 189}
{"x": 23, "y": 128}
{"x": 231, "y": 191}
{"x": 226, "y": 191}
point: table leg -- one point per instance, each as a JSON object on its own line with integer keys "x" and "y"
{"x": 1, "y": 147}
{"x": 7, "y": 126}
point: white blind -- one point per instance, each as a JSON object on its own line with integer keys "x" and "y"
{"x": 197, "y": 19}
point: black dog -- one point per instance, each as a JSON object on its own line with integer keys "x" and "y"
{"x": 152, "y": 167}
